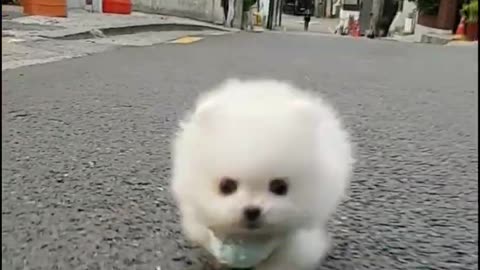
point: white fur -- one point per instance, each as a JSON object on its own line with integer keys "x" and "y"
{"x": 254, "y": 131}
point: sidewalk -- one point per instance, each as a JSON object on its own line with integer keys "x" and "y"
{"x": 82, "y": 22}
{"x": 462, "y": 43}
{"x": 442, "y": 40}
{"x": 28, "y": 40}
{"x": 400, "y": 38}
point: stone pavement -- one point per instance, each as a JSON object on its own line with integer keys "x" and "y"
{"x": 28, "y": 40}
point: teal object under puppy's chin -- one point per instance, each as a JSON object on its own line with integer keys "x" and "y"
{"x": 240, "y": 254}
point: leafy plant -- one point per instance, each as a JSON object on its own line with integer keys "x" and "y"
{"x": 427, "y": 7}
{"x": 470, "y": 11}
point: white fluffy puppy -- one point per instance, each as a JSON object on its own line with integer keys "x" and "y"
{"x": 266, "y": 164}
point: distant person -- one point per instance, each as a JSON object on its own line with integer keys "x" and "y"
{"x": 306, "y": 18}
{"x": 247, "y": 22}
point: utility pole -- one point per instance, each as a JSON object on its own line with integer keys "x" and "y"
{"x": 316, "y": 12}
{"x": 281, "y": 13}
{"x": 271, "y": 10}
{"x": 237, "y": 19}
{"x": 277, "y": 12}
{"x": 377, "y": 14}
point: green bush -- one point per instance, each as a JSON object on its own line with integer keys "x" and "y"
{"x": 470, "y": 11}
{"x": 427, "y": 7}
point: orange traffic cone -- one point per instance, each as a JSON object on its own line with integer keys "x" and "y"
{"x": 460, "y": 33}
{"x": 356, "y": 29}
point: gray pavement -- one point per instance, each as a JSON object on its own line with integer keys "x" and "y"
{"x": 85, "y": 150}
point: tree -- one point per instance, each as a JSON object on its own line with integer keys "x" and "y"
{"x": 427, "y": 7}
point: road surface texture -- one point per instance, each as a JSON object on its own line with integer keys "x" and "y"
{"x": 86, "y": 160}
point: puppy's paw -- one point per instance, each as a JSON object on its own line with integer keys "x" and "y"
{"x": 195, "y": 232}
{"x": 304, "y": 251}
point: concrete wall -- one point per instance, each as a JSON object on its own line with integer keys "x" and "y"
{"x": 264, "y": 7}
{"x": 263, "y": 10}
{"x": 217, "y": 13}
{"x": 82, "y": 4}
{"x": 204, "y": 10}
{"x": 73, "y": 4}
{"x": 408, "y": 6}
{"x": 398, "y": 22}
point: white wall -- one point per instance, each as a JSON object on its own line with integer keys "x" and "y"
{"x": 399, "y": 20}
{"x": 71, "y": 4}
{"x": 263, "y": 10}
{"x": 81, "y": 4}
{"x": 217, "y": 12}
{"x": 204, "y": 10}
{"x": 264, "y": 7}
{"x": 408, "y": 6}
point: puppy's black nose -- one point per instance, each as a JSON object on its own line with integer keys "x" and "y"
{"x": 252, "y": 213}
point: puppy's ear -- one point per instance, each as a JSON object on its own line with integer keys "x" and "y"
{"x": 204, "y": 115}
{"x": 208, "y": 108}
{"x": 231, "y": 81}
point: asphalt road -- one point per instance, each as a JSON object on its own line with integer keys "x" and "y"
{"x": 85, "y": 150}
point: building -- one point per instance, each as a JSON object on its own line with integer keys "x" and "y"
{"x": 443, "y": 22}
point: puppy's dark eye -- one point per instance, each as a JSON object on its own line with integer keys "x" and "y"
{"x": 278, "y": 186}
{"x": 228, "y": 186}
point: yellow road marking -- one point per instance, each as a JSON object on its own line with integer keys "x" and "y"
{"x": 186, "y": 40}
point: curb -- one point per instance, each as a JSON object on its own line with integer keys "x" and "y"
{"x": 131, "y": 29}
{"x": 462, "y": 43}
{"x": 436, "y": 40}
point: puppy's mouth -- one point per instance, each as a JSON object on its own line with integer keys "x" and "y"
{"x": 256, "y": 228}
{"x": 253, "y": 226}
{"x": 245, "y": 229}
{"x": 249, "y": 230}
